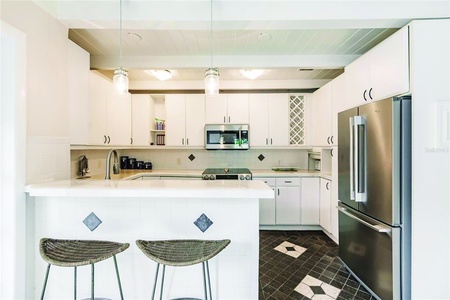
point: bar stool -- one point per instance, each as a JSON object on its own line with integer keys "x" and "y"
{"x": 75, "y": 253}
{"x": 179, "y": 253}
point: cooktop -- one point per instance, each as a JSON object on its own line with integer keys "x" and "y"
{"x": 227, "y": 174}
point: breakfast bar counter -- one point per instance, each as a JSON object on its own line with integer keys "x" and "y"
{"x": 128, "y": 210}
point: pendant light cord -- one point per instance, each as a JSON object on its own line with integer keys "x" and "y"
{"x": 121, "y": 59}
{"x": 210, "y": 37}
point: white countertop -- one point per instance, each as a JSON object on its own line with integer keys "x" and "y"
{"x": 232, "y": 189}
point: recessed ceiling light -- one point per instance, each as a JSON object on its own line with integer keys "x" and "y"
{"x": 264, "y": 37}
{"x": 134, "y": 37}
{"x": 252, "y": 74}
{"x": 160, "y": 74}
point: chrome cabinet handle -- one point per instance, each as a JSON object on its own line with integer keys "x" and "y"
{"x": 328, "y": 186}
{"x": 267, "y": 141}
{"x": 288, "y": 181}
{"x": 105, "y": 139}
{"x": 109, "y": 139}
{"x": 229, "y": 119}
{"x": 331, "y": 152}
{"x": 364, "y": 95}
{"x": 331, "y": 139}
{"x": 131, "y": 139}
{"x": 182, "y": 141}
{"x": 187, "y": 141}
{"x": 224, "y": 119}
{"x": 370, "y": 93}
{"x": 278, "y": 192}
{"x": 328, "y": 140}
{"x": 271, "y": 141}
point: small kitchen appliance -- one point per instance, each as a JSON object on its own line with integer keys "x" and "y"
{"x": 227, "y": 174}
{"x": 226, "y": 136}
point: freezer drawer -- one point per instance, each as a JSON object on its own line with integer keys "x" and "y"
{"x": 371, "y": 250}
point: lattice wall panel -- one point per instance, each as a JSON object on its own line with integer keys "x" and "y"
{"x": 297, "y": 120}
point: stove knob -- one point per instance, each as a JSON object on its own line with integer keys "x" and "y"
{"x": 247, "y": 177}
{"x": 205, "y": 177}
{"x": 212, "y": 177}
{"x": 241, "y": 177}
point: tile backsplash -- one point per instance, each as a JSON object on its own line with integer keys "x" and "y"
{"x": 197, "y": 159}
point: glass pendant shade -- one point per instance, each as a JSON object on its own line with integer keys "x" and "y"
{"x": 120, "y": 81}
{"x": 212, "y": 81}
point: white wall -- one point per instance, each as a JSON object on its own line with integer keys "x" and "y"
{"x": 430, "y": 84}
{"x": 47, "y": 104}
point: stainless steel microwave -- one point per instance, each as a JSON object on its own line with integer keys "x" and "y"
{"x": 226, "y": 136}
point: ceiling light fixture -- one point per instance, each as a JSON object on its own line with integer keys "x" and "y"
{"x": 212, "y": 74}
{"x": 161, "y": 74}
{"x": 120, "y": 79}
{"x": 252, "y": 74}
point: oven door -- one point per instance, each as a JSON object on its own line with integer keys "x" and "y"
{"x": 219, "y": 137}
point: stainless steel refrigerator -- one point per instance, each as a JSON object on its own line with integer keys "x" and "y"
{"x": 374, "y": 165}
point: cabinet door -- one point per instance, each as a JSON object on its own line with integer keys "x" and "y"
{"x": 325, "y": 199}
{"x": 267, "y": 205}
{"x": 118, "y": 117}
{"x": 216, "y": 109}
{"x": 288, "y": 205}
{"x": 195, "y": 120}
{"x": 337, "y": 104}
{"x": 140, "y": 119}
{"x": 278, "y": 119}
{"x": 389, "y": 66}
{"x": 310, "y": 200}
{"x": 357, "y": 81}
{"x": 175, "y": 120}
{"x": 259, "y": 115}
{"x": 78, "y": 93}
{"x": 322, "y": 116}
{"x": 237, "y": 109}
{"x": 97, "y": 109}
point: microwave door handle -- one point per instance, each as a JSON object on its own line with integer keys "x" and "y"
{"x": 352, "y": 180}
{"x": 359, "y": 123}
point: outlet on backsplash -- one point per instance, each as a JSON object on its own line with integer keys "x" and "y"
{"x": 179, "y": 161}
{"x": 99, "y": 164}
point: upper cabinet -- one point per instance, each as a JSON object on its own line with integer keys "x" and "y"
{"x": 142, "y": 110}
{"x": 321, "y": 120}
{"x": 185, "y": 120}
{"x": 337, "y": 105}
{"x": 227, "y": 109}
{"x": 110, "y": 114}
{"x": 382, "y": 72}
{"x": 78, "y": 94}
{"x": 269, "y": 119}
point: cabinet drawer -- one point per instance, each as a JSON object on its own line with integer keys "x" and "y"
{"x": 268, "y": 181}
{"x": 288, "y": 182}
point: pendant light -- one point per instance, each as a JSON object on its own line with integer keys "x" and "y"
{"x": 212, "y": 74}
{"x": 120, "y": 79}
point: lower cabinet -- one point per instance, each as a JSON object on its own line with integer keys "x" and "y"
{"x": 296, "y": 202}
{"x": 325, "y": 204}
{"x": 288, "y": 202}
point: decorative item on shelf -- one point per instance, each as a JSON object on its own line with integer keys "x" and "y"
{"x": 132, "y": 163}
{"x": 212, "y": 74}
{"x": 160, "y": 139}
{"x": 83, "y": 167}
{"x": 159, "y": 124}
{"x": 124, "y": 164}
{"x": 120, "y": 79}
{"x": 148, "y": 166}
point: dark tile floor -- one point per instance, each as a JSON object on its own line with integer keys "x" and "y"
{"x": 303, "y": 265}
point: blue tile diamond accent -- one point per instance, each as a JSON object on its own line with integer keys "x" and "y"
{"x": 92, "y": 221}
{"x": 203, "y": 223}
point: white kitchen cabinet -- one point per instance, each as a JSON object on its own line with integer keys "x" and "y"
{"x": 269, "y": 119}
{"x": 267, "y": 205}
{"x": 310, "y": 198}
{"x": 380, "y": 73}
{"x": 185, "y": 120}
{"x": 227, "y": 109}
{"x": 110, "y": 114}
{"x": 325, "y": 204}
{"x": 322, "y": 116}
{"x": 142, "y": 112}
{"x": 78, "y": 92}
{"x": 337, "y": 105}
{"x": 288, "y": 204}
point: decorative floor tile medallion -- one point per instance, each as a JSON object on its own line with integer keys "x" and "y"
{"x": 314, "y": 288}
{"x": 290, "y": 249}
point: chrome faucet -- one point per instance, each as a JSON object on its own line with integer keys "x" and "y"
{"x": 108, "y": 164}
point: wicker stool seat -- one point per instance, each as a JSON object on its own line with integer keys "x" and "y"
{"x": 75, "y": 253}
{"x": 180, "y": 253}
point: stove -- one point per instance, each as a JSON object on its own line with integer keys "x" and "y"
{"x": 227, "y": 174}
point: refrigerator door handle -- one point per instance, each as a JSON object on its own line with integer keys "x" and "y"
{"x": 377, "y": 227}
{"x": 359, "y": 155}
{"x": 352, "y": 179}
